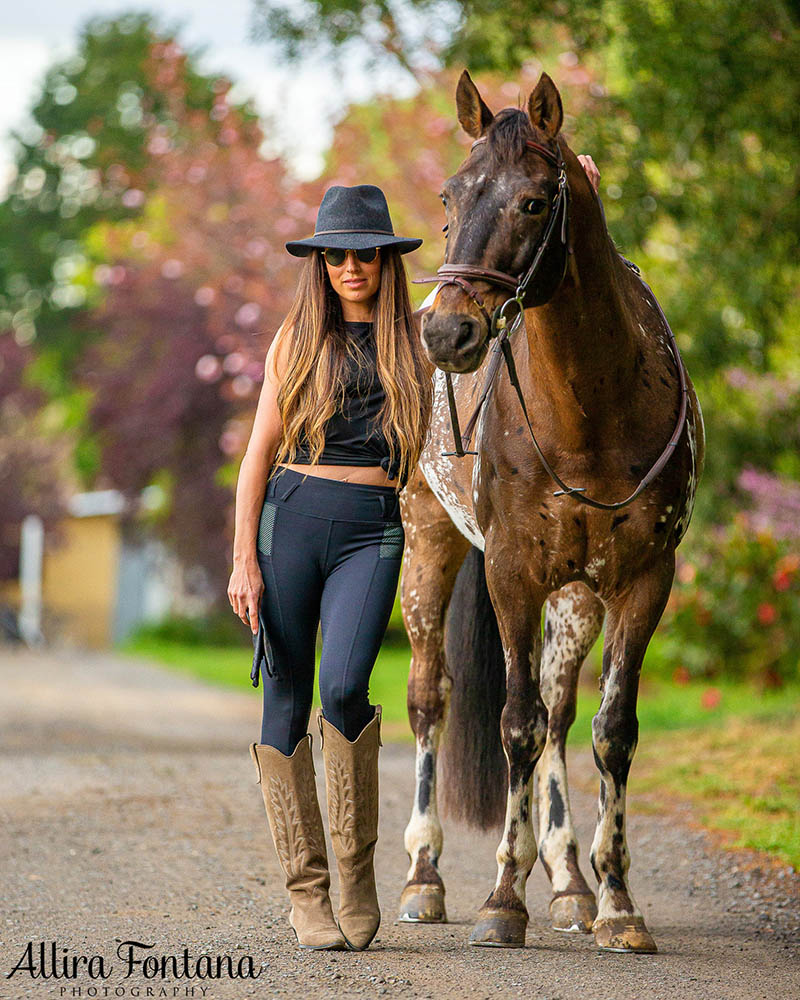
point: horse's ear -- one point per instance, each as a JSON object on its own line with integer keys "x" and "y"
{"x": 544, "y": 107}
{"x": 473, "y": 115}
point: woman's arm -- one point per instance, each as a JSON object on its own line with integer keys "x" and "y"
{"x": 246, "y": 584}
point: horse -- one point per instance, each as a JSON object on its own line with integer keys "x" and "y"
{"x": 593, "y": 387}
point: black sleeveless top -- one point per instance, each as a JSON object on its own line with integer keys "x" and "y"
{"x": 353, "y": 435}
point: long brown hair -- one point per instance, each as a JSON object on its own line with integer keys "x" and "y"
{"x": 314, "y": 384}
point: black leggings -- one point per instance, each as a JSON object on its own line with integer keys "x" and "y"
{"x": 329, "y": 552}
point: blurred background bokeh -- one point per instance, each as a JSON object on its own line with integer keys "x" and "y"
{"x": 154, "y": 166}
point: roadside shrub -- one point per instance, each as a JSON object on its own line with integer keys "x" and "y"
{"x": 733, "y": 611}
{"x": 215, "y": 629}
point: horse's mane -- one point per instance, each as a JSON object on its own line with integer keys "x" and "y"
{"x": 507, "y": 135}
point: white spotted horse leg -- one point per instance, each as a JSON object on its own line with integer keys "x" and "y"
{"x": 573, "y": 620}
{"x": 503, "y": 918}
{"x": 632, "y": 618}
{"x": 433, "y": 555}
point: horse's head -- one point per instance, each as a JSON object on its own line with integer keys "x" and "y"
{"x": 498, "y": 206}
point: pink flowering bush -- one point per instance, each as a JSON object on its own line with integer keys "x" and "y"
{"x": 775, "y": 503}
{"x": 734, "y": 607}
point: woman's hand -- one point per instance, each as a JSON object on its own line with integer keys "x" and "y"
{"x": 244, "y": 592}
{"x": 590, "y": 167}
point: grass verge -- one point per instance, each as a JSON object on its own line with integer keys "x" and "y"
{"x": 741, "y": 777}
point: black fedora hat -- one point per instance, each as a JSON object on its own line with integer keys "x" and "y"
{"x": 352, "y": 218}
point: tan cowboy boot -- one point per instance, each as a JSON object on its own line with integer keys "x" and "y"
{"x": 351, "y": 780}
{"x": 290, "y": 798}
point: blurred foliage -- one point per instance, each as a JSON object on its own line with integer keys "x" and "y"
{"x": 733, "y": 609}
{"x": 220, "y": 629}
{"x": 82, "y": 158}
{"x": 30, "y": 478}
{"x": 135, "y": 239}
{"x": 184, "y": 308}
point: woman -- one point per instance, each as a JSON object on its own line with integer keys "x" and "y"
{"x": 340, "y": 424}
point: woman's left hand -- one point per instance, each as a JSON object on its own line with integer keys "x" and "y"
{"x": 590, "y": 167}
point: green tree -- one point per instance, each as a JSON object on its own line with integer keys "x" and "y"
{"x": 84, "y": 157}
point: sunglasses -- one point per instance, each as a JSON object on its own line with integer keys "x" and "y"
{"x": 336, "y": 257}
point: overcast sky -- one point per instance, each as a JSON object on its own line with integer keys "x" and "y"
{"x": 300, "y": 102}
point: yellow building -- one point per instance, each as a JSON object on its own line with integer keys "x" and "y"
{"x": 95, "y": 586}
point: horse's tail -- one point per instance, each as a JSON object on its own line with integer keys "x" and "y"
{"x": 474, "y": 775}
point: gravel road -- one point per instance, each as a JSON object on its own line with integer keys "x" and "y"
{"x": 130, "y": 812}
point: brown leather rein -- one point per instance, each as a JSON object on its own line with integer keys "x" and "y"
{"x": 498, "y": 326}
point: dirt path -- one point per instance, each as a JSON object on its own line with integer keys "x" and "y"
{"x": 129, "y": 810}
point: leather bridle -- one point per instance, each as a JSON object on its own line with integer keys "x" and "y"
{"x": 498, "y": 327}
{"x": 521, "y": 285}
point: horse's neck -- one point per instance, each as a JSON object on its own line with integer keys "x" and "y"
{"x": 581, "y": 345}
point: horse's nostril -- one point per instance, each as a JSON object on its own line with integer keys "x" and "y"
{"x": 466, "y": 331}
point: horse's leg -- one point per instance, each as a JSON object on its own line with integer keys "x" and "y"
{"x": 632, "y": 618}
{"x": 433, "y": 555}
{"x": 572, "y": 621}
{"x": 503, "y": 918}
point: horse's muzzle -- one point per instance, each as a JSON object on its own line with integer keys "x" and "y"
{"x": 454, "y": 341}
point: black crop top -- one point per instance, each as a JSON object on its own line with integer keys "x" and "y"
{"x": 353, "y": 435}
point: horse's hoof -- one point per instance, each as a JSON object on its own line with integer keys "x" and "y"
{"x": 499, "y": 929}
{"x": 625, "y": 934}
{"x": 422, "y": 904}
{"x": 574, "y": 913}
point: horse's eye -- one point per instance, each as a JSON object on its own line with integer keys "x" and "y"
{"x": 534, "y": 206}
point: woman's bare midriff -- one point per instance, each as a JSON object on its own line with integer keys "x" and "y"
{"x": 372, "y": 475}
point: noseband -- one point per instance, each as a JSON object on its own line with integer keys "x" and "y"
{"x": 498, "y": 326}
